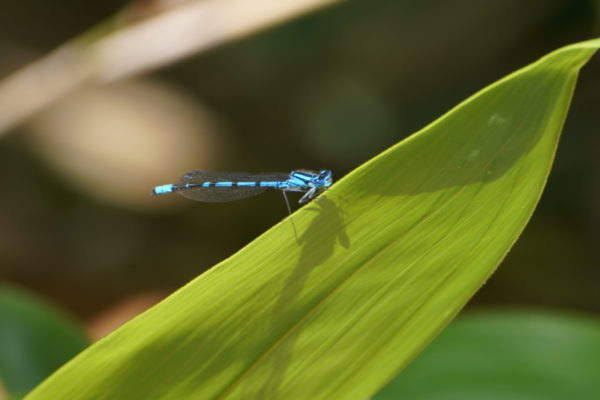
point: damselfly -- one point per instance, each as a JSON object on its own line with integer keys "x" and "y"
{"x": 212, "y": 186}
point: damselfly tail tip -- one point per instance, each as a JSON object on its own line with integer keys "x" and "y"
{"x": 162, "y": 189}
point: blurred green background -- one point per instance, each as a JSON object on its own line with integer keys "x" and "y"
{"x": 328, "y": 90}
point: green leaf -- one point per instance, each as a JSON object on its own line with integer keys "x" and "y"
{"x": 35, "y": 339}
{"x": 506, "y": 355}
{"x": 379, "y": 266}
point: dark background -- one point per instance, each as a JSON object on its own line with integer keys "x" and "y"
{"x": 329, "y": 90}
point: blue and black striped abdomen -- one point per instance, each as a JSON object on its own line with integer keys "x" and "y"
{"x": 211, "y": 186}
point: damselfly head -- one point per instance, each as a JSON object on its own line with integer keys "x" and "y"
{"x": 325, "y": 178}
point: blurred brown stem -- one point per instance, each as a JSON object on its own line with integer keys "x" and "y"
{"x": 128, "y": 50}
